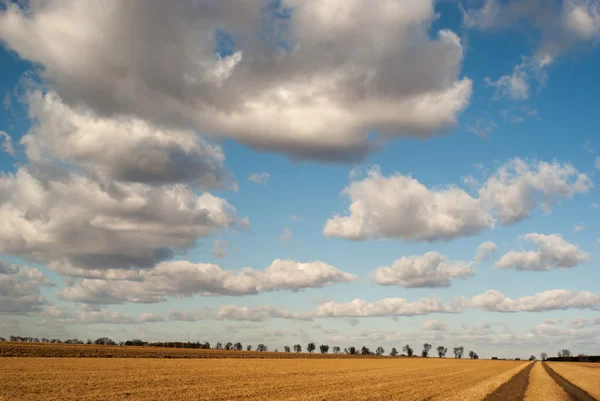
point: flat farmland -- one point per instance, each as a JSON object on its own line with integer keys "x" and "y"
{"x": 253, "y": 379}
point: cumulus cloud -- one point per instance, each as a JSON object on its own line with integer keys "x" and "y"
{"x": 123, "y": 149}
{"x": 78, "y": 225}
{"x": 238, "y": 313}
{"x": 385, "y": 307}
{"x": 401, "y": 207}
{"x": 495, "y": 301}
{"x": 277, "y": 91}
{"x": 431, "y": 269}
{"x": 182, "y": 278}
{"x": 553, "y": 252}
{"x": 259, "y": 178}
{"x": 560, "y": 26}
{"x": 483, "y": 250}
{"x": 6, "y": 141}
{"x": 20, "y": 289}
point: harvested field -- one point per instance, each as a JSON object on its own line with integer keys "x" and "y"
{"x": 543, "y": 387}
{"x": 8, "y": 349}
{"x": 585, "y": 376}
{"x": 252, "y": 379}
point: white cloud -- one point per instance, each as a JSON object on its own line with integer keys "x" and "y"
{"x": 123, "y": 149}
{"x": 220, "y": 248}
{"x": 582, "y": 18}
{"x": 597, "y": 164}
{"x": 553, "y": 252}
{"x": 259, "y": 178}
{"x": 579, "y": 227}
{"x": 276, "y": 91}
{"x": 75, "y": 224}
{"x": 181, "y": 278}
{"x": 482, "y": 127}
{"x": 515, "y": 85}
{"x": 53, "y": 315}
{"x": 148, "y": 317}
{"x": 401, "y": 207}
{"x": 435, "y": 325}
{"x": 384, "y": 307}
{"x": 237, "y": 313}
{"x": 431, "y": 269}
{"x": 286, "y": 235}
{"x": 495, "y": 301}
{"x": 6, "y": 141}
{"x": 20, "y": 289}
{"x": 293, "y": 217}
{"x": 483, "y": 250}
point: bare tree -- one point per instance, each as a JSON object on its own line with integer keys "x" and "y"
{"x": 324, "y": 348}
{"x": 238, "y": 346}
{"x": 310, "y": 347}
{"x": 442, "y": 351}
{"x": 219, "y": 346}
{"x": 379, "y": 351}
{"x": 228, "y": 346}
{"x": 394, "y": 352}
{"x": 286, "y": 348}
{"x": 407, "y": 350}
{"x": 543, "y": 356}
{"x": 458, "y": 352}
{"x": 297, "y": 348}
{"x": 336, "y": 350}
{"x": 426, "y": 349}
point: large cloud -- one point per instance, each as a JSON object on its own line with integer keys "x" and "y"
{"x": 431, "y": 269}
{"x": 553, "y": 252}
{"x": 238, "y": 313}
{"x": 311, "y": 82}
{"x": 181, "y": 278}
{"x": 401, "y": 207}
{"x": 128, "y": 150}
{"x": 385, "y": 307}
{"x": 20, "y": 289}
{"x": 80, "y": 226}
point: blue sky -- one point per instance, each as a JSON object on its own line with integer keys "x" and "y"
{"x": 284, "y": 172}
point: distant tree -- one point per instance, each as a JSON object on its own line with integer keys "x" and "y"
{"x": 458, "y": 352}
{"x": 311, "y": 347}
{"x": 276, "y": 350}
{"x": 261, "y": 348}
{"x": 229, "y": 346}
{"x": 543, "y": 356}
{"x": 442, "y": 351}
{"x": 249, "y": 348}
{"x": 394, "y": 352}
{"x": 407, "y": 350}
{"x": 286, "y": 348}
{"x": 336, "y": 350}
{"x": 88, "y": 342}
{"x": 237, "y": 346}
{"x": 532, "y": 358}
{"x": 297, "y": 348}
{"x": 365, "y": 351}
{"x": 352, "y": 351}
{"x": 564, "y": 353}
{"x": 219, "y": 346}
{"x": 426, "y": 349}
{"x": 472, "y": 355}
{"x": 324, "y": 348}
{"x": 379, "y": 351}
{"x": 103, "y": 341}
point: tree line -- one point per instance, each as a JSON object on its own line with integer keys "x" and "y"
{"x": 311, "y": 347}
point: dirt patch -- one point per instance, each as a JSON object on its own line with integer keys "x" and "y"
{"x": 576, "y": 393}
{"x": 514, "y": 389}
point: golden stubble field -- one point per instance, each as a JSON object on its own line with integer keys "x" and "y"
{"x": 65, "y": 372}
{"x": 251, "y": 379}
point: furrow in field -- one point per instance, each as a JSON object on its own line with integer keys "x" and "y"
{"x": 484, "y": 388}
{"x": 543, "y": 387}
{"x": 577, "y": 380}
